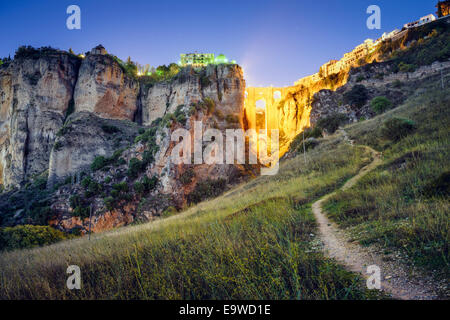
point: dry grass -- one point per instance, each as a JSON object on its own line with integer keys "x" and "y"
{"x": 391, "y": 206}
{"x": 210, "y": 251}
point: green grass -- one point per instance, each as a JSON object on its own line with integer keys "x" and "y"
{"x": 257, "y": 241}
{"x": 395, "y": 205}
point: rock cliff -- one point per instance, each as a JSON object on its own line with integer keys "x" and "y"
{"x": 35, "y": 94}
{"x": 223, "y": 83}
{"x": 104, "y": 88}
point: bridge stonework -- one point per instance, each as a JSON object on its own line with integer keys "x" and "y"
{"x": 271, "y": 97}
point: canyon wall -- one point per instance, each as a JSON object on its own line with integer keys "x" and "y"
{"x": 104, "y": 89}
{"x": 183, "y": 105}
{"x": 60, "y": 112}
{"x": 35, "y": 94}
{"x": 223, "y": 83}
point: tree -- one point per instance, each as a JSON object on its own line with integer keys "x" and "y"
{"x": 357, "y": 96}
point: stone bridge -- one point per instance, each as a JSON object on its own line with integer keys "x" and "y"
{"x": 263, "y": 102}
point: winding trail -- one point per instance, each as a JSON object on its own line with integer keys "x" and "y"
{"x": 397, "y": 279}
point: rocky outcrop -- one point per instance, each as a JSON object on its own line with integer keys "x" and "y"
{"x": 104, "y": 88}
{"x": 223, "y": 83}
{"x": 84, "y": 137}
{"x": 379, "y": 79}
{"x": 35, "y": 94}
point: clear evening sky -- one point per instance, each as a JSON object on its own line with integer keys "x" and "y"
{"x": 275, "y": 41}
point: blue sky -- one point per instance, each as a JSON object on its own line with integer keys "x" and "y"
{"x": 275, "y": 41}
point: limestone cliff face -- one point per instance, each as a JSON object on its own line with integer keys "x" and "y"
{"x": 223, "y": 83}
{"x": 104, "y": 89}
{"x": 82, "y": 139}
{"x": 35, "y": 93}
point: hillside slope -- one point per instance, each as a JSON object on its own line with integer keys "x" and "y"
{"x": 260, "y": 240}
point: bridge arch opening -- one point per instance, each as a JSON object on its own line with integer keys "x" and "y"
{"x": 261, "y": 104}
{"x": 277, "y": 95}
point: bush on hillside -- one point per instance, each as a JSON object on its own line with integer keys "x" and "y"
{"x": 187, "y": 176}
{"x": 380, "y": 104}
{"x": 310, "y": 136}
{"x": 30, "y": 52}
{"x": 357, "y": 96}
{"x": 439, "y": 187}
{"x": 134, "y": 167}
{"x": 207, "y": 189}
{"x": 397, "y": 128}
{"x": 110, "y": 129}
{"x": 28, "y": 236}
{"x": 332, "y": 122}
{"x": 315, "y": 132}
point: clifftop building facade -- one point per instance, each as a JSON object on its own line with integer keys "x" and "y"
{"x": 202, "y": 59}
{"x": 196, "y": 59}
{"x": 352, "y": 58}
{"x": 424, "y": 20}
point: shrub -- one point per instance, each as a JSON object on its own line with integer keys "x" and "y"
{"x": 357, "y": 96}
{"x": 28, "y": 236}
{"x": 110, "y": 129}
{"x": 109, "y": 203}
{"x": 397, "y": 128}
{"x": 121, "y": 187}
{"x": 134, "y": 167}
{"x": 93, "y": 189}
{"x": 405, "y": 67}
{"x": 380, "y": 104}
{"x": 231, "y": 118}
{"x": 209, "y": 104}
{"x": 207, "y": 189}
{"x": 147, "y": 136}
{"x": 68, "y": 180}
{"x": 30, "y": 52}
{"x": 139, "y": 187}
{"x": 86, "y": 181}
{"x": 99, "y": 163}
{"x": 315, "y": 132}
{"x": 438, "y": 187}
{"x": 80, "y": 208}
{"x": 397, "y": 84}
{"x": 219, "y": 114}
{"x": 332, "y": 122}
{"x": 187, "y": 176}
{"x": 170, "y": 211}
{"x": 360, "y": 78}
{"x": 149, "y": 183}
{"x": 205, "y": 81}
{"x": 57, "y": 146}
{"x": 179, "y": 115}
{"x": 147, "y": 157}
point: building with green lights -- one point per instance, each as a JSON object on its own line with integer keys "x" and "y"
{"x": 196, "y": 59}
{"x": 202, "y": 59}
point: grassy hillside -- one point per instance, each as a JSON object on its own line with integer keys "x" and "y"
{"x": 404, "y": 204}
{"x": 259, "y": 240}
{"x": 255, "y": 242}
